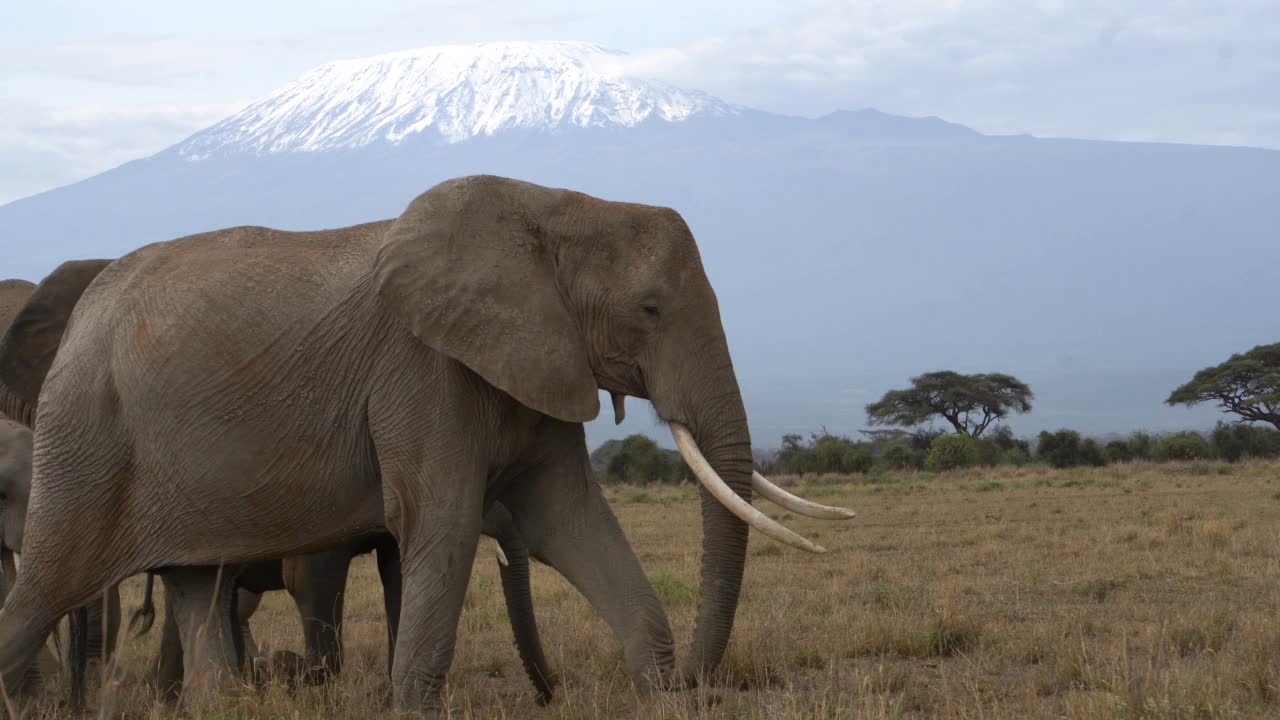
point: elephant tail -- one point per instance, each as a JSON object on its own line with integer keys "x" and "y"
{"x": 142, "y": 618}
{"x": 78, "y": 656}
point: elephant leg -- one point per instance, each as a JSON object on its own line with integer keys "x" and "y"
{"x": 388, "y": 554}
{"x": 169, "y": 670}
{"x": 437, "y": 536}
{"x": 44, "y": 666}
{"x": 564, "y": 519}
{"x": 32, "y": 610}
{"x": 318, "y": 584}
{"x": 247, "y": 603}
{"x": 104, "y": 625}
{"x": 202, "y": 600}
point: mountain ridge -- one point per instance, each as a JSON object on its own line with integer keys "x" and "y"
{"x": 458, "y": 91}
{"x": 848, "y": 252}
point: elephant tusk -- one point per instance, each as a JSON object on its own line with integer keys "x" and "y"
{"x": 502, "y": 557}
{"x": 797, "y": 504}
{"x": 730, "y": 499}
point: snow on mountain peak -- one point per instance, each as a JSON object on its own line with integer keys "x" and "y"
{"x": 460, "y": 91}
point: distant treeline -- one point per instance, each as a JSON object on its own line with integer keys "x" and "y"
{"x": 1246, "y": 385}
{"x": 639, "y": 460}
{"x": 935, "y": 451}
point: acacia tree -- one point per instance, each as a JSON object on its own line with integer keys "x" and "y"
{"x": 1247, "y": 385}
{"x": 969, "y": 402}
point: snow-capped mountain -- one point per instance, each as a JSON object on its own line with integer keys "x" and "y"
{"x": 1077, "y": 266}
{"x": 457, "y": 91}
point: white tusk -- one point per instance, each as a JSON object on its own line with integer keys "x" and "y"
{"x": 796, "y": 504}
{"x": 730, "y": 499}
{"x": 502, "y": 557}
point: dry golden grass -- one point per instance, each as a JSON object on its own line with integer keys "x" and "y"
{"x": 1142, "y": 591}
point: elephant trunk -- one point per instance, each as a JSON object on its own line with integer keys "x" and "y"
{"x": 726, "y": 445}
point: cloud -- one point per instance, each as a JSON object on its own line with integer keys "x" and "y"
{"x": 81, "y": 100}
{"x": 1149, "y": 70}
{"x": 53, "y": 147}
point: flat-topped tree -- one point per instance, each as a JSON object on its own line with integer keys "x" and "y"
{"x": 969, "y": 402}
{"x": 1247, "y": 385}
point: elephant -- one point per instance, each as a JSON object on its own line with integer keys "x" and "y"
{"x": 317, "y": 583}
{"x": 15, "y": 464}
{"x": 306, "y": 388}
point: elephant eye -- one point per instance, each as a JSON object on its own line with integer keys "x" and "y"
{"x": 650, "y": 309}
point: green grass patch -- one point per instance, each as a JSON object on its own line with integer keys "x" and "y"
{"x": 672, "y": 591}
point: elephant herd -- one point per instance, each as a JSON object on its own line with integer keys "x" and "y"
{"x": 246, "y": 410}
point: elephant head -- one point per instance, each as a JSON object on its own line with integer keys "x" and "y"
{"x": 34, "y": 331}
{"x": 552, "y": 295}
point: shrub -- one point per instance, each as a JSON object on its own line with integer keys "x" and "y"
{"x": 922, "y": 439}
{"x": 950, "y": 452}
{"x": 900, "y": 457}
{"x": 824, "y": 453}
{"x": 1066, "y": 449}
{"x": 1118, "y": 451}
{"x": 638, "y": 459}
{"x": 1263, "y": 442}
{"x": 1091, "y": 453}
{"x": 1235, "y": 441}
{"x": 1181, "y": 446}
{"x": 1016, "y": 455}
{"x": 857, "y": 459}
{"x": 1141, "y": 445}
{"x": 1003, "y": 437}
{"x": 986, "y": 452}
{"x": 1060, "y": 449}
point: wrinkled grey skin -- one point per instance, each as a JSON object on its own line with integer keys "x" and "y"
{"x": 15, "y": 484}
{"x": 308, "y": 388}
{"x": 16, "y": 443}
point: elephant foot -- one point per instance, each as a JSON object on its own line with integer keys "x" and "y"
{"x": 421, "y": 698}
{"x": 40, "y": 676}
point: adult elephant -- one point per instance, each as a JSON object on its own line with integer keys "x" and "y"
{"x": 303, "y": 389}
{"x": 48, "y": 305}
{"x": 317, "y": 583}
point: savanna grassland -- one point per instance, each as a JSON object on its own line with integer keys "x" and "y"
{"x": 1133, "y": 591}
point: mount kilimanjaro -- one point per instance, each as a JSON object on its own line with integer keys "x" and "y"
{"x": 849, "y": 252}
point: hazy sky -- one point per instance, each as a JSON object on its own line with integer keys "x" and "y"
{"x": 83, "y": 89}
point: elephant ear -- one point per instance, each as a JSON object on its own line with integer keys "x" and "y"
{"x": 31, "y": 342}
{"x": 469, "y": 270}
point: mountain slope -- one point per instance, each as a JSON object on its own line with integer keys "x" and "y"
{"x": 848, "y": 252}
